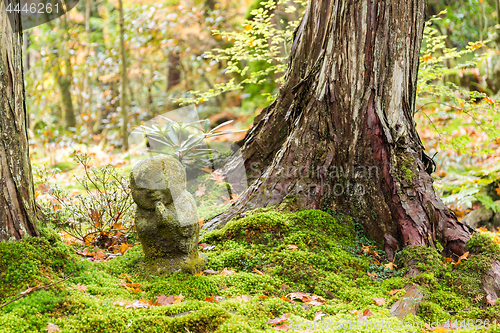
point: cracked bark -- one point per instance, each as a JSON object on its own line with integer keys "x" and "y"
{"x": 347, "y": 105}
{"x": 17, "y": 204}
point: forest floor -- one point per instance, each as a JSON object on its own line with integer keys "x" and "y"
{"x": 271, "y": 270}
{"x": 307, "y": 271}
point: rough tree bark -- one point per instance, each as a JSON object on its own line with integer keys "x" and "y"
{"x": 341, "y": 133}
{"x": 17, "y": 203}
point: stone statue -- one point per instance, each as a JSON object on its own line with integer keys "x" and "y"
{"x": 166, "y": 218}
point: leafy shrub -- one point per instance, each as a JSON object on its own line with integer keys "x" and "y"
{"x": 104, "y": 207}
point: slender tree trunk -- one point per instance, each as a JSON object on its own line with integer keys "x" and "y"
{"x": 17, "y": 203}
{"x": 123, "y": 94}
{"x": 64, "y": 81}
{"x": 341, "y": 135}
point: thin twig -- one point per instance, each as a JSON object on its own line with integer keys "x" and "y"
{"x": 35, "y": 289}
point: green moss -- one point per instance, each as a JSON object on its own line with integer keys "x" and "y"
{"x": 325, "y": 260}
{"x": 483, "y": 243}
{"x": 431, "y": 312}
{"x": 422, "y": 258}
{"x": 30, "y": 262}
{"x": 199, "y": 287}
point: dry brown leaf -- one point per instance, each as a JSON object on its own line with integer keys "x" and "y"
{"x": 226, "y": 271}
{"x": 278, "y": 320}
{"x": 27, "y": 291}
{"x": 100, "y": 255}
{"x": 257, "y": 271}
{"x": 318, "y": 315}
{"x": 287, "y": 300}
{"x": 201, "y": 191}
{"x": 393, "y": 292}
{"x": 124, "y": 248}
{"x": 243, "y": 298}
{"x": 81, "y": 287}
{"x": 390, "y": 265}
{"x": 141, "y": 304}
{"x": 490, "y": 301}
{"x": 282, "y": 327}
{"x": 52, "y": 328}
{"x": 379, "y": 301}
{"x": 462, "y": 257}
{"x": 210, "y": 272}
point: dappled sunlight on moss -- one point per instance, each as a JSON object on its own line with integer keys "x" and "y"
{"x": 273, "y": 253}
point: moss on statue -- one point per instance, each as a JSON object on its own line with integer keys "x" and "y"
{"x": 166, "y": 217}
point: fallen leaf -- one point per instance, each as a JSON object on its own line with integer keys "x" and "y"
{"x": 124, "y": 247}
{"x": 366, "y": 248}
{"x": 120, "y": 303}
{"x": 292, "y": 247}
{"x": 287, "y": 300}
{"x": 278, "y": 320}
{"x": 218, "y": 177}
{"x": 390, "y": 266}
{"x": 318, "y": 315}
{"x": 141, "y": 304}
{"x": 100, "y": 255}
{"x": 226, "y": 271}
{"x": 257, "y": 271}
{"x": 201, "y": 191}
{"x": 207, "y": 247}
{"x": 27, "y": 291}
{"x": 164, "y": 300}
{"x": 490, "y": 301}
{"x": 52, "y": 327}
{"x": 243, "y": 298}
{"x": 366, "y": 314}
{"x": 178, "y": 298}
{"x": 210, "y": 272}
{"x": 282, "y": 327}
{"x": 462, "y": 257}
{"x": 363, "y": 315}
{"x": 379, "y": 301}
{"x": 393, "y": 292}
{"x": 297, "y": 295}
{"x": 372, "y": 275}
{"x": 81, "y": 287}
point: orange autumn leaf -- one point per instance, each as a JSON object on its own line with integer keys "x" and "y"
{"x": 390, "y": 265}
{"x": 201, "y": 191}
{"x": 124, "y": 247}
{"x": 81, "y": 287}
{"x": 278, "y": 320}
{"x": 426, "y": 58}
{"x": 52, "y": 328}
{"x": 226, "y": 271}
{"x": 379, "y": 301}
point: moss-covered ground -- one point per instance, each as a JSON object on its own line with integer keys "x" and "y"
{"x": 273, "y": 254}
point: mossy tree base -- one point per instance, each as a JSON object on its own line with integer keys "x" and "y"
{"x": 346, "y": 107}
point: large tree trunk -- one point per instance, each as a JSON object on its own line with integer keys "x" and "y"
{"x": 17, "y": 204}
{"x": 341, "y": 133}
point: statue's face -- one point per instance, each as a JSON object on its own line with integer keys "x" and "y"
{"x": 147, "y": 191}
{"x": 159, "y": 179}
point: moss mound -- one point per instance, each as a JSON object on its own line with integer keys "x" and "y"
{"x": 31, "y": 262}
{"x": 273, "y": 254}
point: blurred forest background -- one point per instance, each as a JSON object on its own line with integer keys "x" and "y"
{"x": 227, "y": 58}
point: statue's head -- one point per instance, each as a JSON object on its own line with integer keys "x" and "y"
{"x": 161, "y": 178}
